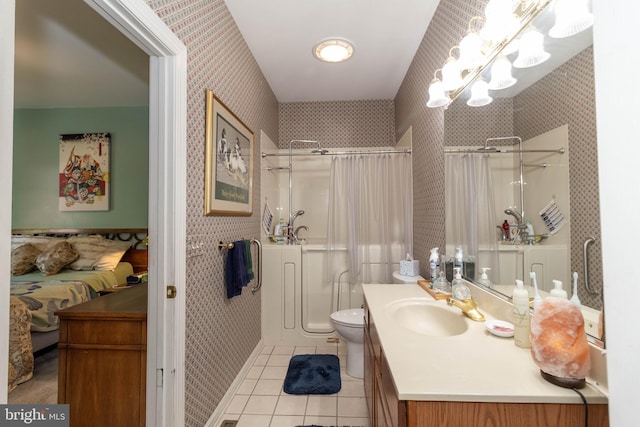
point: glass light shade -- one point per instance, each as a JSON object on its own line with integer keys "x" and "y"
{"x": 531, "y": 51}
{"x": 451, "y": 78}
{"x": 572, "y": 17}
{"x": 500, "y": 21}
{"x": 334, "y": 50}
{"x": 470, "y": 51}
{"x": 501, "y": 77}
{"x": 437, "y": 96}
{"x": 479, "y": 94}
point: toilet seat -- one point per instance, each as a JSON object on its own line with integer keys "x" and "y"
{"x": 352, "y": 317}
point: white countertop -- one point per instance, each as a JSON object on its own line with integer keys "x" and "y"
{"x": 475, "y": 366}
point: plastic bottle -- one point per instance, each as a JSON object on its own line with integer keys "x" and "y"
{"x": 434, "y": 265}
{"x": 505, "y": 227}
{"x": 459, "y": 289}
{"x": 457, "y": 259}
{"x": 484, "y": 279}
{"x": 557, "y": 290}
{"x": 521, "y": 319}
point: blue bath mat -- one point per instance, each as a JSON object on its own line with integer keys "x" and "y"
{"x": 313, "y": 374}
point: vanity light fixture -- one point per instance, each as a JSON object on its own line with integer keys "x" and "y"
{"x": 572, "y": 17}
{"x": 333, "y": 50}
{"x": 500, "y": 36}
{"x": 479, "y": 94}
{"x": 438, "y": 97}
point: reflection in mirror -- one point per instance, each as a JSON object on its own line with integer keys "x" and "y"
{"x": 557, "y": 111}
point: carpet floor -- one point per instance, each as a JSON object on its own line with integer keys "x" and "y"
{"x": 43, "y": 387}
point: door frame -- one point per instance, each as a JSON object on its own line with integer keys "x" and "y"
{"x": 167, "y": 194}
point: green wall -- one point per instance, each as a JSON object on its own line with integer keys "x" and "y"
{"x": 35, "y": 166}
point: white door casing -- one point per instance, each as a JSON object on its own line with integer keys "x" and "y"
{"x": 167, "y": 194}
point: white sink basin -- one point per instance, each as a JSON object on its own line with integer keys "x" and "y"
{"x": 427, "y": 317}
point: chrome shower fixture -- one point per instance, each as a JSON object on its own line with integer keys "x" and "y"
{"x": 320, "y": 151}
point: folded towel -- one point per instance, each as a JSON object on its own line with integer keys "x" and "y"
{"x": 249, "y": 262}
{"x": 236, "y": 274}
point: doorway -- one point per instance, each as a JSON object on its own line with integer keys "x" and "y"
{"x": 167, "y": 166}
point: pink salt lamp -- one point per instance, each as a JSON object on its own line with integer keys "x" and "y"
{"x": 559, "y": 344}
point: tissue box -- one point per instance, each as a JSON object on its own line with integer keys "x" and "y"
{"x": 410, "y": 268}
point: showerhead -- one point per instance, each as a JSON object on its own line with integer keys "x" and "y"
{"x": 488, "y": 149}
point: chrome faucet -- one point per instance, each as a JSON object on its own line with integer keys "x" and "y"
{"x": 522, "y": 227}
{"x": 290, "y": 232}
{"x": 469, "y": 308}
{"x": 296, "y": 239}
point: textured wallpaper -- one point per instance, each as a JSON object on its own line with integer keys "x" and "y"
{"x": 338, "y": 124}
{"x": 220, "y": 333}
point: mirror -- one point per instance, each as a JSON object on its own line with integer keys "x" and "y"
{"x": 557, "y": 110}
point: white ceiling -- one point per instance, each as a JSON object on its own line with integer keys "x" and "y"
{"x": 69, "y": 56}
{"x": 282, "y": 33}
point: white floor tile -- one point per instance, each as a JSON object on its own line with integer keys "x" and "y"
{"x": 267, "y": 349}
{"x": 266, "y": 387}
{"x": 261, "y": 360}
{"x": 291, "y": 405}
{"x": 287, "y": 420}
{"x": 279, "y": 360}
{"x": 328, "y": 349}
{"x": 274, "y": 373}
{"x": 353, "y": 422}
{"x": 320, "y": 420}
{"x": 247, "y": 420}
{"x": 254, "y": 372}
{"x": 237, "y": 404}
{"x": 261, "y": 405}
{"x": 246, "y": 387}
{"x": 322, "y": 405}
{"x": 282, "y": 350}
{"x": 304, "y": 350}
{"x": 351, "y": 388}
{"x": 352, "y": 407}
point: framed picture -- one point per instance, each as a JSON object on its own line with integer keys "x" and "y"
{"x": 83, "y": 173}
{"x": 228, "y": 187}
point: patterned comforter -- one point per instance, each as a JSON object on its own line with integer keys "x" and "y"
{"x": 20, "y": 349}
{"x": 45, "y": 298}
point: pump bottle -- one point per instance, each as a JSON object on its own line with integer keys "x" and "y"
{"x": 434, "y": 265}
{"x": 557, "y": 290}
{"x": 484, "y": 279}
{"x": 521, "y": 319}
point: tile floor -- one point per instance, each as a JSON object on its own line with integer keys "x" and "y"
{"x": 261, "y": 402}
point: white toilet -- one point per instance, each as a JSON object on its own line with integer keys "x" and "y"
{"x": 407, "y": 280}
{"x": 350, "y": 325}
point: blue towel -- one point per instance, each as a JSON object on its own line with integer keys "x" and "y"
{"x": 236, "y": 273}
{"x": 249, "y": 261}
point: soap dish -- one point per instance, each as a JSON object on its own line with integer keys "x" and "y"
{"x": 499, "y": 328}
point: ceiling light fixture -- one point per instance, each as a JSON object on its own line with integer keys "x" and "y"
{"x": 333, "y": 50}
{"x": 500, "y": 37}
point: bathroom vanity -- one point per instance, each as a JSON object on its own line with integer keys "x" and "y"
{"x": 423, "y": 367}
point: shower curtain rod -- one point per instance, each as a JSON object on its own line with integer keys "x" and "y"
{"x": 499, "y": 151}
{"x": 339, "y": 153}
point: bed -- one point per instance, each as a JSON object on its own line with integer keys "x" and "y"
{"x": 55, "y": 269}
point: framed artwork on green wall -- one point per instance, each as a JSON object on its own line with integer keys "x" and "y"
{"x": 228, "y": 188}
{"x": 84, "y": 172}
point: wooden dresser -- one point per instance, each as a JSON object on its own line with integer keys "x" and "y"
{"x": 102, "y": 359}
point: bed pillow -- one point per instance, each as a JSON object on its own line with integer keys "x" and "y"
{"x": 96, "y": 252}
{"x": 55, "y": 258}
{"x": 41, "y": 242}
{"x": 23, "y": 259}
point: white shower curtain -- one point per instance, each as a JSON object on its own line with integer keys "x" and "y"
{"x": 369, "y": 210}
{"x": 470, "y": 210}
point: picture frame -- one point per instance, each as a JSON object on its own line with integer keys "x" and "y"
{"x": 83, "y": 172}
{"x": 228, "y": 188}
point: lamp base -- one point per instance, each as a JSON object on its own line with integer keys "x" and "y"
{"x": 564, "y": 382}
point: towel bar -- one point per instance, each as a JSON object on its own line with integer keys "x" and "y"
{"x": 258, "y": 244}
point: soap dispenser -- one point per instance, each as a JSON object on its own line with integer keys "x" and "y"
{"x": 484, "y": 279}
{"x": 521, "y": 318}
{"x": 557, "y": 290}
{"x": 434, "y": 265}
{"x": 459, "y": 289}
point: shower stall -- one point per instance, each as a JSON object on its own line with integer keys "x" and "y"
{"x": 305, "y": 282}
